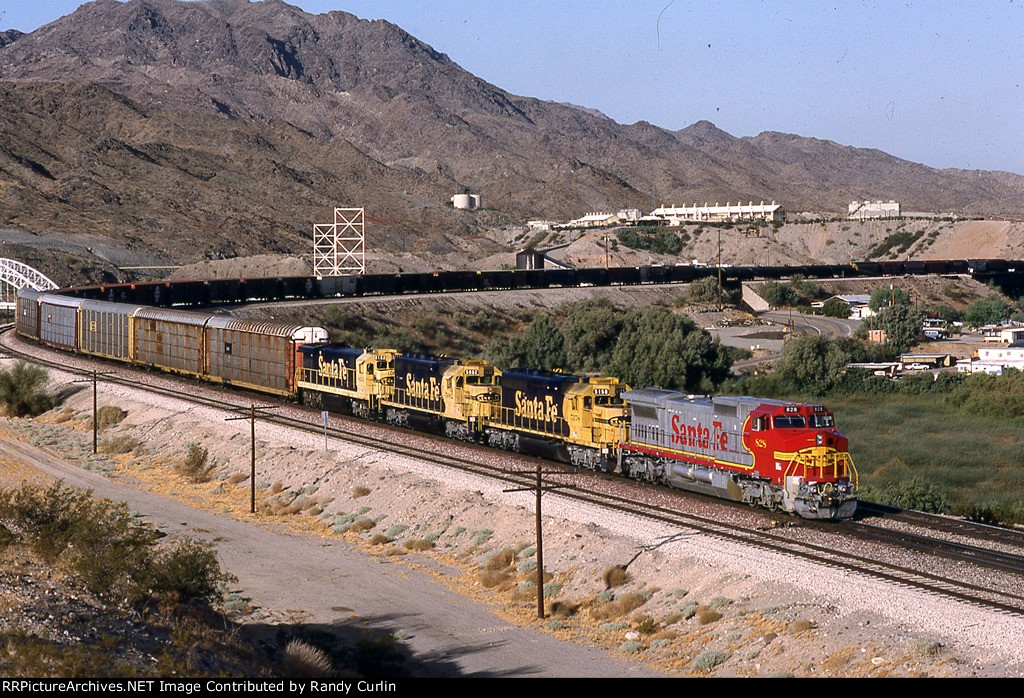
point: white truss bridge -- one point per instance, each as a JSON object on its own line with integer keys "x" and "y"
{"x": 15, "y": 275}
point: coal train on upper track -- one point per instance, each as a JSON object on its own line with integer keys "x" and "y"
{"x": 769, "y": 453}
{"x": 226, "y": 291}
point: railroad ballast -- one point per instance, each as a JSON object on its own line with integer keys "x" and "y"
{"x": 769, "y": 453}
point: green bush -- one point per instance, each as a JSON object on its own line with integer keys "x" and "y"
{"x": 194, "y": 465}
{"x": 656, "y": 240}
{"x": 107, "y": 547}
{"x": 706, "y": 661}
{"x": 22, "y": 390}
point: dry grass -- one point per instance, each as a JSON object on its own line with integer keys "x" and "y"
{"x": 360, "y": 525}
{"x": 501, "y": 559}
{"x": 303, "y": 661}
{"x": 619, "y": 607}
{"x": 116, "y": 445}
{"x": 419, "y": 544}
{"x": 236, "y": 478}
{"x": 706, "y": 616}
{"x": 800, "y": 626}
{"x": 615, "y": 577}
{"x": 109, "y": 415}
{"x": 563, "y": 609}
{"x": 490, "y": 579}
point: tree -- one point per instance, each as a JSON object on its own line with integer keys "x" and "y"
{"x": 657, "y": 348}
{"x": 590, "y": 331}
{"x": 986, "y": 311}
{"x": 812, "y": 364}
{"x": 882, "y": 297}
{"x": 778, "y": 295}
{"x": 836, "y": 307}
{"x": 902, "y": 325}
{"x": 542, "y": 346}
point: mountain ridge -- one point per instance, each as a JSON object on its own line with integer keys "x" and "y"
{"x": 368, "y": 89}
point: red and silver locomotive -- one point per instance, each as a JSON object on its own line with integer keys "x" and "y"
{"x": 770, "y": 453}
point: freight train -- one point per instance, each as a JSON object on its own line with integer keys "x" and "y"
{"x": 779, "y": 455}
{"x": 209, "y": 292}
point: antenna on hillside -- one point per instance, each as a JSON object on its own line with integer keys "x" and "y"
{"x": 340, "y": 247}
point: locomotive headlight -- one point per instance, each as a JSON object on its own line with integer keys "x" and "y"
{"x": 818, "y": 439}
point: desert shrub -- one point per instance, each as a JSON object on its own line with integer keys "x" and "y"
{"x": 190, "y": 571}
{"x": 707, "y": 616}
{"x": 109, "y": 415}
{"x": 615, "y": 577}
{"x": 492, "y": 578}
{"x": 703, "y": 291}
{"x": 706, "y": 661}
{"x": 914, "y": 493}
{"x": 631, "y": 647}
{"x": 362, "y": 525}
{"x": 236, "y": 478}
{"x": 303, "y": 661}
{"x": 418, "y": 544}
{"x": 799, "y": 626}
{"x": 360, "y": 492}
{"x": 106, "y": 546}
{"x": 646, "y": 625}
{"x": 689, "y": 609}
{"x": 194, "y": 465}
{"x": 501, "y": 559}
{"x": 379, "y": 539}
{"x": 119, "y": 444}
{"x": 22, "y": 390}
{"x": 562, "y": 609}
{"x": 923, "y": 648}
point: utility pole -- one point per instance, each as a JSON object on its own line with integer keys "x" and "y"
{"x": 252, "y": 435}
{"x": 539, "y": 488}
{"x": 95, "y": 405}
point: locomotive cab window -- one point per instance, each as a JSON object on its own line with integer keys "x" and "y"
{"x": 822, "y": 421}
{"x": 369, "y": 369}
{"x": 227, "y": 348}
{"x": 608, "y": 400}
{"x": 759, "y": 424}
{"x": 458, "y": 382}
{"x": 790, "y": 421}
{"x": 587, "y": 403}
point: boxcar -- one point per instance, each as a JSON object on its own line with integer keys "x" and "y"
{"x": 58, "y": 321}
{"x": 105, "y": 329}
{"x": 27, "y": 310}
{"x": 257, "y": 355}
{"x": 171, "y": 339}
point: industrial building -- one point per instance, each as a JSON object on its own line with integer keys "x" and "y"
{"x": 467, "y": 202}
{"x": 859, "y": 210}
{"x": 678, "y": 215}
{"x": 596, "y": 220}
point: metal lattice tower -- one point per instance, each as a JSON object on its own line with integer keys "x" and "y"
{"x": 340, "y": 248}
{"x": 15, "y": 275}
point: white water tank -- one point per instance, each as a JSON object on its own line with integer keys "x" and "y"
{"x": 467, "y": 201}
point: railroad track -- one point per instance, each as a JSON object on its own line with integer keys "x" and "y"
{"x": 998, "y": 599}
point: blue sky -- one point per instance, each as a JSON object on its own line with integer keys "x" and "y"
{"x": 937, "y": 81}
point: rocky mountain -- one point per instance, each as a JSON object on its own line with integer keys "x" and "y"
{"x": 229, "y": 127}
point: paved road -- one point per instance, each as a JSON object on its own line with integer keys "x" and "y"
{"x": 332, "y": 585}
{"x": 829, "y": 327}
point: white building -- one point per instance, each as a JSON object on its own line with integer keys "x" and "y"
{"x": 1007, "y": 357}
{"x": 874, "y": 209}
{"x": 467, "y": 201}
{"x": 594, "y": 220}
{"x": 678, "y": 215}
